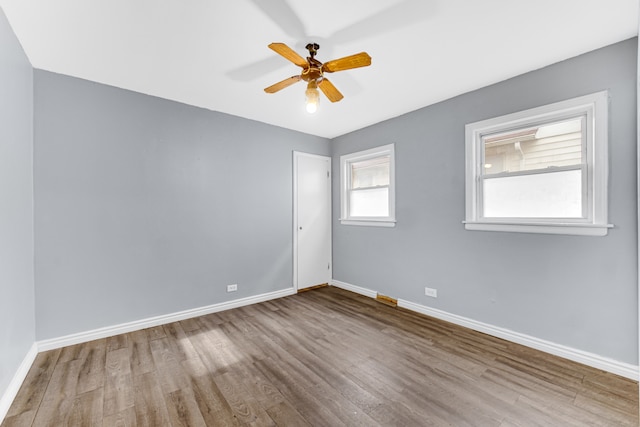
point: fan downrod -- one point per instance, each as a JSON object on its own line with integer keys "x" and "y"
{"x": 314, "y": 71}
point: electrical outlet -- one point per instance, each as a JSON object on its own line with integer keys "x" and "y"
{"x": 430, "y": 292}
{"x": 232, "y": 288}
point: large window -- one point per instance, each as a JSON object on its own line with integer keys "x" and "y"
{"x": 542, "y": 170}
{"x": 367, "y": 187}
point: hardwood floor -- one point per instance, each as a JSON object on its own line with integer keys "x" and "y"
{"x": 322, "y": 358}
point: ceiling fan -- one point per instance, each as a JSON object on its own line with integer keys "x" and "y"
{"x": 313, "y": 72}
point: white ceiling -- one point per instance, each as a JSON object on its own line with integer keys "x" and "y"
{"x": 213, "y": 53}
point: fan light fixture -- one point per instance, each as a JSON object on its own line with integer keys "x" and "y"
{"x": 313, "y": 97}
{"x": 313, "y": 73}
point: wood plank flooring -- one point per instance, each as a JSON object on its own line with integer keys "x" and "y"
{"x": 322, "y": 358}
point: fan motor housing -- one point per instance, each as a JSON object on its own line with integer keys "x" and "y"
{"x": 311, "y": 73}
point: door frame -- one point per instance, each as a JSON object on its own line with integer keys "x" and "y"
{"x": 296, "y": 155}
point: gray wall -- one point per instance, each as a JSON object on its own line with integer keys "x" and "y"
{"x": 146, "y": 207}
{"x": 17, "y": 318}
{"x": 577, "y": 291}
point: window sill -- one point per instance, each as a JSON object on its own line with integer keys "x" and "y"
{"x": 369, "y": 223}
{"x": 542, "y": 228}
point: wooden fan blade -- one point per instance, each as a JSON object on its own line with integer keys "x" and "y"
{"x": 361, "y": 59}
{"x": 289, "y": 53}
{"x": 330, "y": 90}
{"x": 281, "y": 85}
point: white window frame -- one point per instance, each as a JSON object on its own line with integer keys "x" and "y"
{"x": 594, "y": 108}
{"x": 345, "y": 186}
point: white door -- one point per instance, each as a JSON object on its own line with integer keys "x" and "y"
{"x": 312, "y": 220}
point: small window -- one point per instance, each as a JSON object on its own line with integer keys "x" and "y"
{"x": 540, "y": 171}
{"x": 367, "y": 187}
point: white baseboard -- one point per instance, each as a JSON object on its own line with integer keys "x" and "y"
{"x": 353, "y": 288}
{"x": 16, "y": 382}
{"x": 586, "y": 358}
{"x": 109, "y": 331}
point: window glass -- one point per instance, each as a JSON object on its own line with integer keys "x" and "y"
{"x": 551, "y": 145}
{"x": 373, "y": 202}
{"x": 543, "y": 195}
{"x": 370, "y": 173}
{"x": 534, "y": 172}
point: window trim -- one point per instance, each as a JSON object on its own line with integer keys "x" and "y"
{"x": 594, "y": 108}
{"x": 345, "y": 186}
